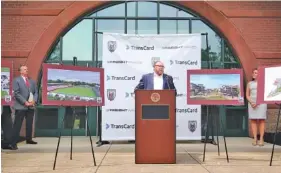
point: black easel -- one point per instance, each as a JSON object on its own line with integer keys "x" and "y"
{"x": 206, "y": 136}
{"x": 212, "y": 140}
{"x": 73, "y": 119}
{"x": 274, "y": 139}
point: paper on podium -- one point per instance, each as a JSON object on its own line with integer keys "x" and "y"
{"x": 31, "y": 97}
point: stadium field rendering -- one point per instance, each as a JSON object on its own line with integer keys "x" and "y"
{"x": 3, "y": 94}
{"x": 73, "y": 93}
{"x": 76, "y": 90}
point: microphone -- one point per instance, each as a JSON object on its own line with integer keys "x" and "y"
{"x": 139, "y": 86}
{"x": 167, "y": 78}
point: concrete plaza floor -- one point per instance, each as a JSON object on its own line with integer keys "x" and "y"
{"x": 120, "y": 158}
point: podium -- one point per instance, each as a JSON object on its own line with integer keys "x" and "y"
{"x": 155, "y": 127}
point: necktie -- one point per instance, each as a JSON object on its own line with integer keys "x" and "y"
{"x": 27, "y": 82}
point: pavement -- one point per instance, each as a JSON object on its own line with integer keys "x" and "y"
{"x": 119, "y": 157}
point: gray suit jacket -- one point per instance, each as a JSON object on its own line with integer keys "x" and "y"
{"x": 21, "y": 92}
{"x": 147, "y": 82}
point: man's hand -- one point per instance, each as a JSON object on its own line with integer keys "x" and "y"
{"x": 32, "y": 103}
{"x": 27, "y": 103}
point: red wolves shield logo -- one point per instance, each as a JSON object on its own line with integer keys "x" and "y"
{"x": 111, "y": 45}
{"x": 192, "y": 125}
{"x": 111, "y": 94}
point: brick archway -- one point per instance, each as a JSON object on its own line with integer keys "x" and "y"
{"x": 77, "y": 9}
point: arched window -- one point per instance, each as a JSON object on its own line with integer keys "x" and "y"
{"x": 84, "y": 39}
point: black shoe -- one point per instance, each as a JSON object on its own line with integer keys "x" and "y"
{"x": 5, "y": 147}
{"x": 31, "y": 142}
{"x": 15, "y": 147}
{"x": 11, "y": 147}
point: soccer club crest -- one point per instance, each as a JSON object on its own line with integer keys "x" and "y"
{"x": 111, "y": 94}
{"x": 154, "y": 59}
{"x": 192, "y": 125}
{"x": 155, "y": 97}
{"x": 111, "y": 45}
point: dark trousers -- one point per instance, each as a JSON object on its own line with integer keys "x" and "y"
{"x": 6, "y": 124}
{"x": 19, "y": 115}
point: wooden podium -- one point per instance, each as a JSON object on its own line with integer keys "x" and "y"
{"x": 155, "y": 126}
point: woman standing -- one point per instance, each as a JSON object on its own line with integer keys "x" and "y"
{"x": 257, "y": 113}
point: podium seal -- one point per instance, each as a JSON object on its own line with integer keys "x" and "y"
{"x": 155, "y": 97}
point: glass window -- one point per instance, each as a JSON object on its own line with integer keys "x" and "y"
{"x": 170, "y": 11}
{"x": 112, "y": 11}
{"x": 213, "y": 112}
{"x": 78, "y": 42}
{"x": 56, "y": 54}
{"x": 228, "y": 55}
{"x": 214, "y": 40}
{"x": 147, "y": 26}
{"x": 235, "y": 122}
{"x": 147, "y": 9}
{"x": 131, "y": 27}
{"x": 131, "y": 9}
{"x": 184, "y": 14}
{"x": 174, "y": 26}
{"x": 168, "y": 26}
{"x": 114, "y": 26}
{"x": 79, "y": 120}
{"x": 99, "y": 45}
{"x": 47, "y": 118}
{"x": 231, "y": 65}
{"x": 183, "y": 27}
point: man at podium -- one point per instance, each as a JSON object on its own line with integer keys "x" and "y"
{"x": 157, "y": 80}
{"x": 155, "y": 118}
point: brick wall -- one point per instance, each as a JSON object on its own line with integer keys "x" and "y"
{"x": 36, "y": 4}
{"x": 259, "y": 23}
{"x": 260, "y": 26}
{"x": 271, "y": 121}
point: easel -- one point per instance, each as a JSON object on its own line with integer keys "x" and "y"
{"x": 206, "y": 136}
{"x": 73, "y": 119}
{"x": 274, "y": 139}
{"x": 212, "y": 141}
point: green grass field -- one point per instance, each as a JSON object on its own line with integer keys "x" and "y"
{"x": 79, "y": 91}
{"x": 3, "y": 94}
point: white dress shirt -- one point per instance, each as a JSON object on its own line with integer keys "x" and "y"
{"x": 24, "y": 78}
{"x": 158, "y": 82}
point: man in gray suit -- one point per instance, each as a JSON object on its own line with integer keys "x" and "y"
{"x": 26, "y": 95}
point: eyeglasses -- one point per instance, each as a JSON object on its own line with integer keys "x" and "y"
{"x": 160, "y": 66}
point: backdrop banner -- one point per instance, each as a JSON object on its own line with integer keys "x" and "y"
{"x": 126, "y": 58}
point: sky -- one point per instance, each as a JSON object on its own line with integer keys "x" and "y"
{"x": 72, "y": 75}
{"x": 211, "y": 81}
